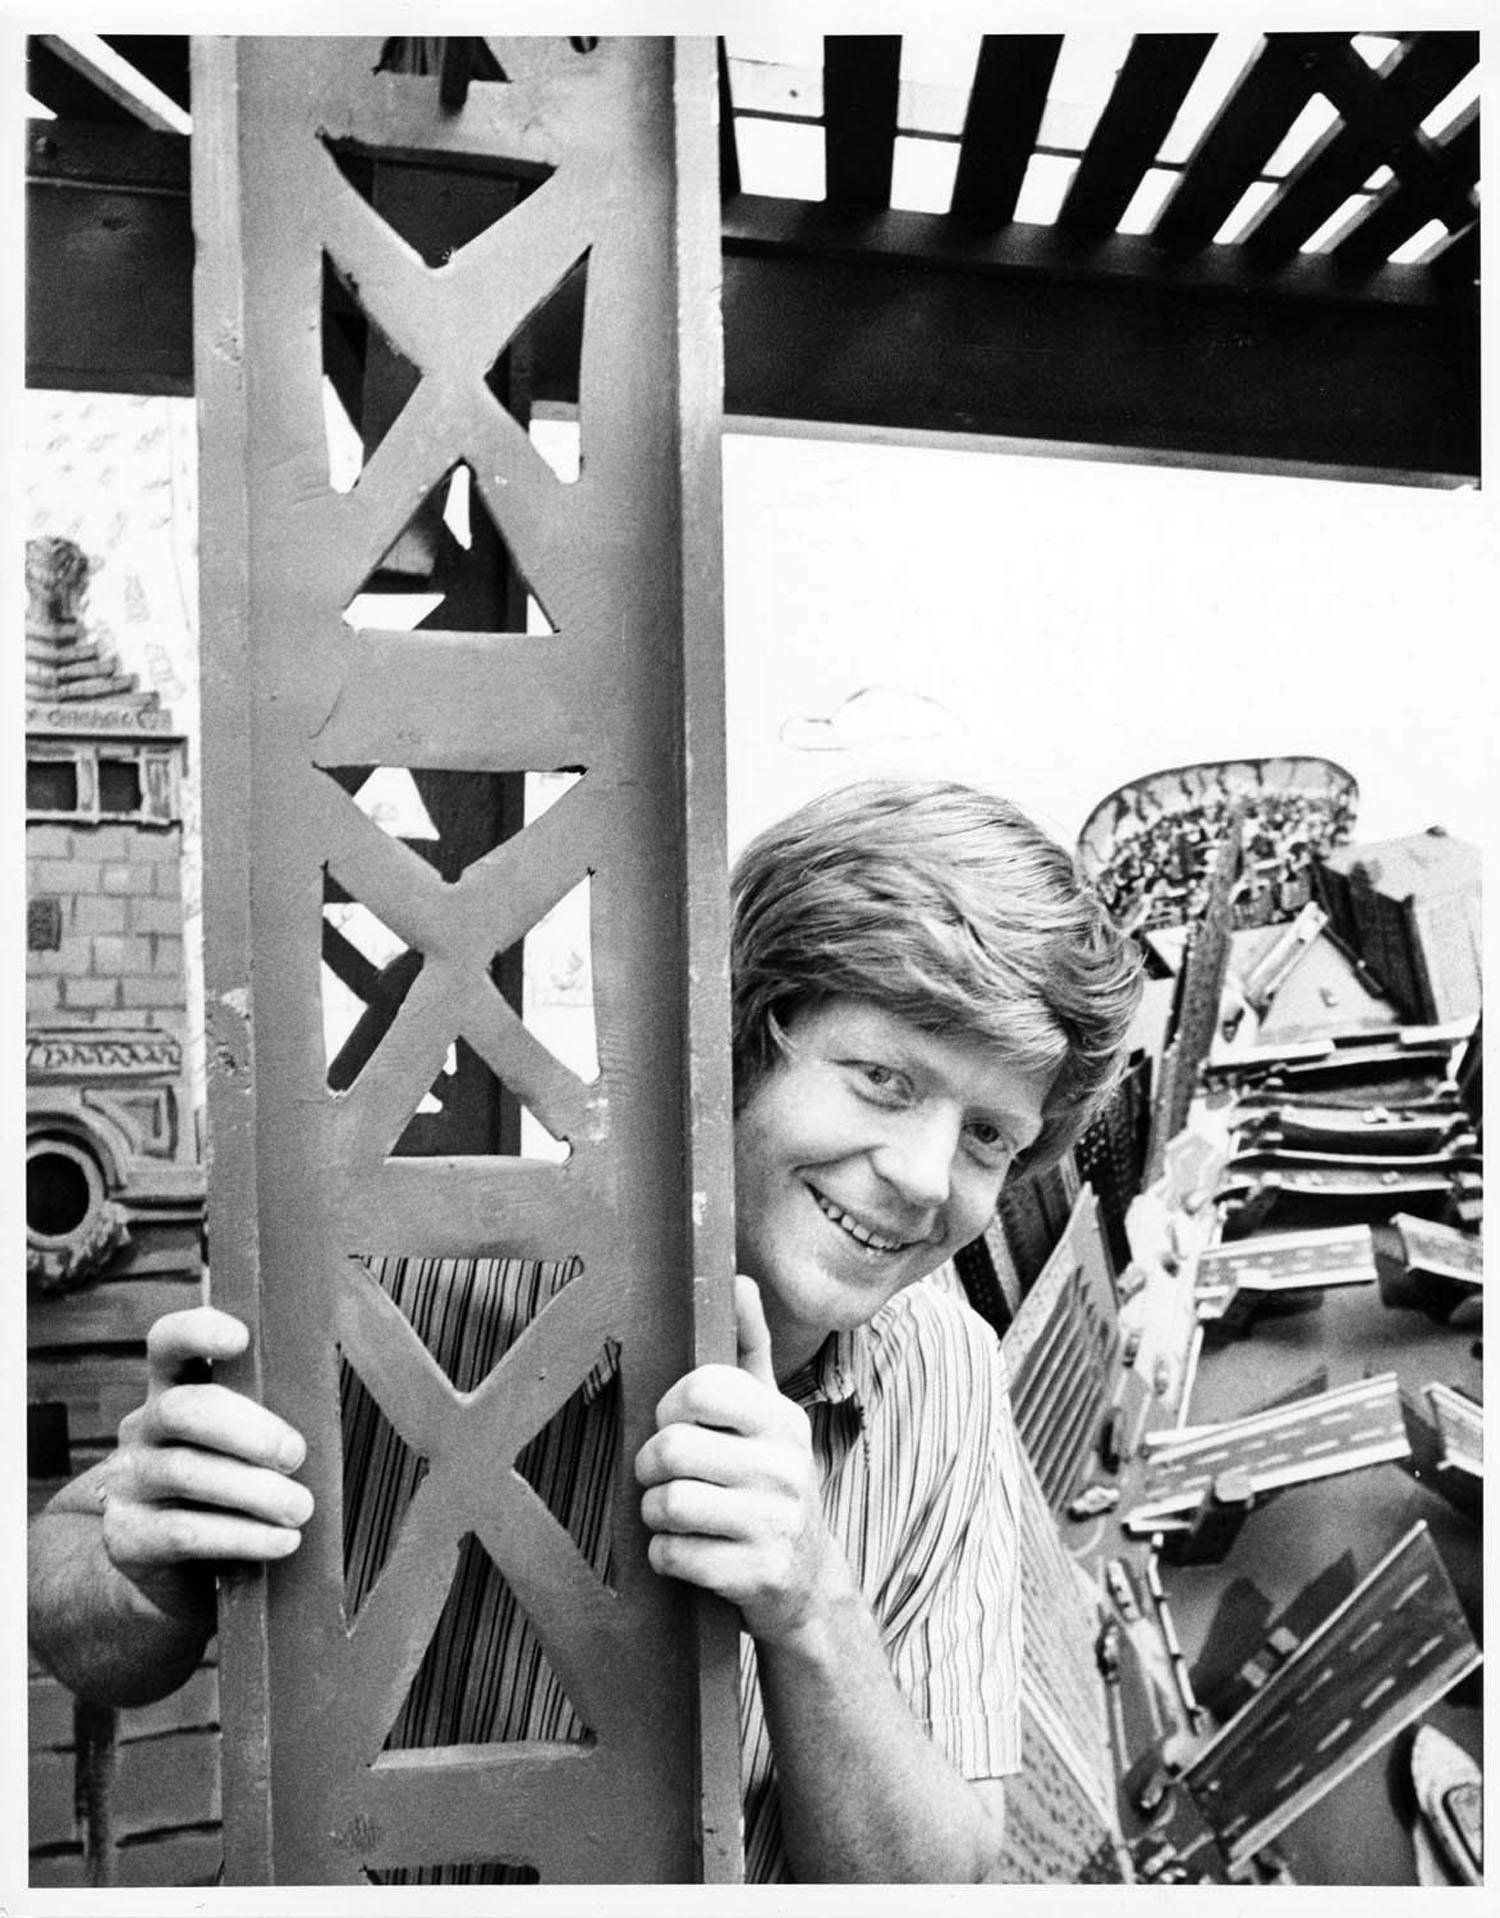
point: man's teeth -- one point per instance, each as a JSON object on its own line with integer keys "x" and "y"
{"x": 855, "y": 1230}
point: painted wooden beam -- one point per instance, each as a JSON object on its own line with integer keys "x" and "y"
{"x": 831, "y": 319}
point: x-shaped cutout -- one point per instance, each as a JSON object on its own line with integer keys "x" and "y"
{"x": 458, "y": 928}
{"x": 453, "y": 322}
{"x": 471, "y": 1440}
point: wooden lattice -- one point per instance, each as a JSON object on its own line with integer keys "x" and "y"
{"x": 603, "y": 158}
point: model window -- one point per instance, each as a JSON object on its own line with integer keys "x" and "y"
{"x": 119, "y": 785}
{"x": 51, "y": 785}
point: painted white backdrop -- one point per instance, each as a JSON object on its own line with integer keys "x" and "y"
{"x": 1049, "y": 626}
{"x": 1057, "y": 626}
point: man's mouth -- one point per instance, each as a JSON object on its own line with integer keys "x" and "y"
{"x": 857, "y": 1230}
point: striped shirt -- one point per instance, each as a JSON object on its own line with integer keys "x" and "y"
{"x": 912, "y": 1432}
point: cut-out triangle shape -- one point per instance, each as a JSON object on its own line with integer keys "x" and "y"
{"x": 541, "y": 360}
{"x": 588, "y": 1425}
{"x": 484, "y": 1678}
{"x": 466, "y": 1112}
{"x": 451, "y": 548}
{"x": 367, "y": 972}
{"x": 459, "y": 816}
{"x": 381, "y": 1476}
{"x": 390, "y": 797}
{"x": 436, "y": 211}
{"x": 370, "y": 380}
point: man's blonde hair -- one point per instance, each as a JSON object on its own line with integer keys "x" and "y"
{"x": 944, "y": 904}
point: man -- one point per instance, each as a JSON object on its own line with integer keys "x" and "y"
{"x": 924, "y": 998}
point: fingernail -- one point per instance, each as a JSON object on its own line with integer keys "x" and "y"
{"x": 292, "y": 1453}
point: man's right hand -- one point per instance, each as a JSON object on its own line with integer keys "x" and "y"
{"x": 202, "y": 1473}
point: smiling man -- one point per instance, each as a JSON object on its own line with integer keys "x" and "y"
{"x": 924, "y": 998}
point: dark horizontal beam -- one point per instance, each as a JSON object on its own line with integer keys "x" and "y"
{"x": 902, "y": 321}
{"x": 109, "y": 259}
{"x": 916, "y": 322}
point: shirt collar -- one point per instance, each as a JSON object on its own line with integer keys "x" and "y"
{"x": 835, "y": 1374}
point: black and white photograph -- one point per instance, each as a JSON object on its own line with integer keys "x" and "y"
{"x": 757, "y": 765}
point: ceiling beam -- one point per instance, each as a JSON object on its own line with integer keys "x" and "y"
{"x": 1034, "y": 345}
{"x": 833, "y": 320}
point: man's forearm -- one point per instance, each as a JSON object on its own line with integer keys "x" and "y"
{"x": 866, "y": 1796}
{"x": 90, "y": 1625}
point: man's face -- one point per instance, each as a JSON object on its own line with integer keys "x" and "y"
{"x": 864, "y": 1160}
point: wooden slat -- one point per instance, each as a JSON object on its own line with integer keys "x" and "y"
{"x": 116, "y": 80}
{"x": 113, "y": 1313}
{"x": 50, "y": 1798}
{"x": 49, "y": 1715}
{"x": 1004, "y": 117}
{"x": 349, "y": 965}
{"x": 1158, "y": 72}
{"x": 170, "y": 1858}
{"x": 166, "y": 1781}
{"x": 57, "y": 1869}
{"x": 1242, "y": 136}
{"x": 1406, "y": 206}
{"x": 861, "y": 90}
{"x": 1441, "y": 170}
{"x": 1458, "y": 263}
{"x": 52, "y": 82}
{"x": 1380, "y": 114}
{"x": 194, "y": 1706}
{"x": 99, "y": 1388}
{"x": 161, "y": 57}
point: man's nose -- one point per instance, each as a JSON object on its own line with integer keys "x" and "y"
{"x": 916, "y": 1157}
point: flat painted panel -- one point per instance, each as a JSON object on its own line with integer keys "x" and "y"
{"x": 306, "y": 1197}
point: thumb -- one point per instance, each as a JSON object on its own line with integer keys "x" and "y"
{"x": 753, "y": 1336}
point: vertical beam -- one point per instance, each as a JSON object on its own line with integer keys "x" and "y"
{"x": 629, "y": 688}
{"x": 229, "y": 1037}
{"x": 729, "y": 151}
{"x": 704, "y": 925}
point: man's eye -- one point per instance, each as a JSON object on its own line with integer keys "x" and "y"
{"x": 885, "y": 1082}
{"x": 988, "y": 1142}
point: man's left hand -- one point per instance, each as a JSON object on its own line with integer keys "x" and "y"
{"x": 732, "y": 1496}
